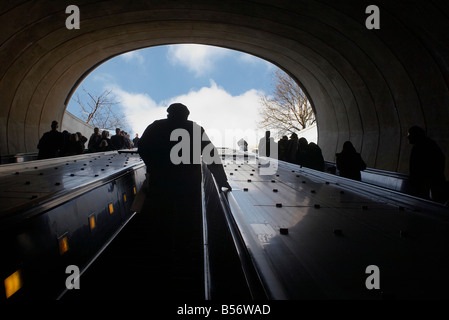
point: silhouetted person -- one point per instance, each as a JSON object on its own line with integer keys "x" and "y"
{"x": 82, "y": 141}
{"x": 292, "y": 148}
{"x": 309, "y": 155}
{"x": 283, "y": 148}
{"x": 161, "y": 147}
{"x": 349, "y": 162}
{"x": 128, "y": 142}
{"x": 74, "y": 146}
{"x": 50, "y": 143}
{"x": 118, "y": 140}
{"x": 243, "y": 145}
{"x": 105, "y": 142}
{"x": 66, "y": 139}
{"x": 301, "y": 152}
{"x": 427, "y": 163}
{"x": 136, "y": 141}
{"x": 315, "y": 157}
{"x": 94, "y": 141}
{"x": 171, "y": 149}
{"x": 103, "y": 146}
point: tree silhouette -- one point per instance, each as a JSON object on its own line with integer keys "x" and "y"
{"x": 288, "y": 109}
{"x": 102, "y": 110}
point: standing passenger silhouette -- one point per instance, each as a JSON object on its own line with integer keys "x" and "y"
{"x": 51, "y": 142}
{"x": 243, "y": 145}
{"x": 118, "y": 140}
{"x": 292, "y": 148}
{"x": 301, "y": 152}
{"x": 171, "y": 149}
{"x": 283, "y": 148}
{"x": 94, "y": 141}
{"x": 315, "y": 159}
{"x": 427, "y": 163}
{"x": 309, "y": 155}
{"x": 349, "y": 162}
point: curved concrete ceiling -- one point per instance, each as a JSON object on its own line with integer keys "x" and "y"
{"x": 367, "y": 86}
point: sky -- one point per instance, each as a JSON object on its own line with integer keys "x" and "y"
{"x": 221, "y": 88}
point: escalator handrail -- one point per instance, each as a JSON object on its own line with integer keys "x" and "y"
{"x": 253, "y": 279}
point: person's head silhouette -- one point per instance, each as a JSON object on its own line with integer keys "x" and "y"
{"x": 54, "y": 125}
{"x": 303, "y": 143}
{"x": 416, "y": 134}
{"x": 348, "y": 147}
{"x": 178, "y": 112}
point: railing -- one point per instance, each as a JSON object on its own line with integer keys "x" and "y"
{"x": 381, "y": 178}
{"x": 19, "y": 157}
{"x": 230, "y": 272}
{"x": 66, "y": 227}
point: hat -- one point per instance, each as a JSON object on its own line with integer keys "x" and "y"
{"x": 178, "y": 108}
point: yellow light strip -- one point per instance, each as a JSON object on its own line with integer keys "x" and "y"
{"x": 92, "y": 223}
{"x": 13, "y": 283}
{"x": 63, "y": 245}
{"x": 111, "y": 208}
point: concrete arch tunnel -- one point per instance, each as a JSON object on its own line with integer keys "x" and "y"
{"x": 366, "y": 85}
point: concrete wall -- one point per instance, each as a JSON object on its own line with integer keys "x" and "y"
{"x": 73, "y": 124}
{"x": 310, "y": 133}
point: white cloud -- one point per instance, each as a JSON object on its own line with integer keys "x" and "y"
{"x": 225, "y": 118}
{"x": 103, "y": 77}
{"x": 139, "y": 108}
{"x": 133, "y": 56}
{"x": 199, "y": 59}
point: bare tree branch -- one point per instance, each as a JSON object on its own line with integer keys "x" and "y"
{"x": 101, "y": 110}
{"x": 288, "y": 109}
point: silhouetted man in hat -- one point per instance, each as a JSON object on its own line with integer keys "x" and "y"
{"x": 171, "y": 149}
